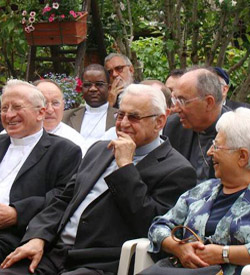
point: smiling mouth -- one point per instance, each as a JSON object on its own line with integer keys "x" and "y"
{"x": 13, "y": 123}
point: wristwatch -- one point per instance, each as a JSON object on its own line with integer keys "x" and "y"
{"x": 225, "y": 254}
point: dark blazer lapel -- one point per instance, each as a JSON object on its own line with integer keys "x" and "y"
{"x": 154, "y": 157}
{"x": 4, "y": 145}
{"x": 76, "y": 119}
{"x": 38, "y": 151}
{"x": 87, "y": 178}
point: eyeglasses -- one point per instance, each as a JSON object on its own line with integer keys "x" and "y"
{"x": 15, "y": 108}
{"x": 97, "y": 84}
{"x": 216, "y": 147}
{"x": 182, "y": 101}
{"x": 54, "y": 104}
{"x": 118, "y": 69}
{"x": 131, "y": 117}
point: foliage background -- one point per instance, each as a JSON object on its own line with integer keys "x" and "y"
{"x": 158, "y": 36}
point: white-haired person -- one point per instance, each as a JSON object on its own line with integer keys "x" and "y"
{"x": 217, "y": 210}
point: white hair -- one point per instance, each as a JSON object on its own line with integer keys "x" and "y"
{"x": 236, "y": 127}
{"x": 34, "y": 95}
{"x": 158, "y": 101}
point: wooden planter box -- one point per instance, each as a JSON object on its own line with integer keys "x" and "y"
{"x": 58, "y": 33}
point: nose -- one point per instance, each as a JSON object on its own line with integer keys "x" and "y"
{"x": 49, "y": 108}
{"x": 93, "y": 87}
{"x": 9, "y": 113}
{"x": 210, "y": 151}
{"x": 125, "y": 122}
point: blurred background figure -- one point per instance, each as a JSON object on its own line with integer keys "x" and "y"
{"x": 54, "y": 113}
{"x": 121, "y": 72}
{"x": 225, "y": 83}
{"x": 173, "y": 77}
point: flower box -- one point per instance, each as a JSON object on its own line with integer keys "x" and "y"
{"x": 58, "y": 32}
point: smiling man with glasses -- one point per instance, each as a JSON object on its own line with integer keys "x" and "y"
{"x": 197, "y": 101}
{"x": 34, "y": 165}
{"x": 121, "y": 72}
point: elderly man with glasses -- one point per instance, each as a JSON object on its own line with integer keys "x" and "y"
{"x": 34, "y": 165}
{"x": 120, "y": 187}
{"x": 97, "y": 116}
{"x": 197, "y": 100}
{"x": 121, "y": 72}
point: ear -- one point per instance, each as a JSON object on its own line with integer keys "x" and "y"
{"x": 225, "y": 89}
{"x": 131, "y": 69}
{"x": 210, "y": 102}
{"x": 41, "y": 114}
{"x": 243, "y": 157}
{"x": 160, "y": 122}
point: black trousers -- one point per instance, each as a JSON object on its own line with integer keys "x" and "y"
{"x": 52, "y": 263}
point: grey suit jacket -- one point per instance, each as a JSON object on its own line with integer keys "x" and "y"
{"x": 135, "y": 195}
{"x": 74, "y": 117}
{"x": 43, "y": 175}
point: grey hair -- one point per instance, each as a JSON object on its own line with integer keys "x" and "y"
{"x": 112, "y": 55}
{"x": 35, "y": 96}
{"x": 208, "y": 83}
{"x": 158, "y": 101}
{"x": 236, "y": 126}
{"x": 47, "y": 80}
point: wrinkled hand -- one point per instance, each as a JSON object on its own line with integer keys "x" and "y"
{"x": 188, "y": 257}
{"x": 116, "y": 88}
{"x": 8, "y": 216}
{"x": 32, "y": 250}
{"x": 211, "y": 254}
{"x": 123, "y": 149}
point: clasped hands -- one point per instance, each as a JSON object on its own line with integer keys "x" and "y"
{"x": 197, "y": 255}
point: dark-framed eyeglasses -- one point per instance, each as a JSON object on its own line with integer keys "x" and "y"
{"x": 118, "y": 69}
{"x": 216, "y": 147}
{"x": 98, "y": 84}
{"x": 119, "y": 116}
{"x": 182, "y": 101}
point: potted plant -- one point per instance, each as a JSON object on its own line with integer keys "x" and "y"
{"x": 54, "y": 22}
{"x": 71, "y": 88}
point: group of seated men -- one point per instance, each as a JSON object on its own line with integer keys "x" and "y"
{"x": 64, "y": 215}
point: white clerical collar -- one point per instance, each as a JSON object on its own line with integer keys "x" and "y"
{"x": 100, "y": 109}
{"x": 55, "y": 129}
{"x": 146, "y": 149}
{"x": 26, "y": 140}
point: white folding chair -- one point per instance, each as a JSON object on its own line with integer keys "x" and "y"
{"x": 142, "y": 258}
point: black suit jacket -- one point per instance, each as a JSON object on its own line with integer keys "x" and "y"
{"x": 135, "y": 195}
{"x": 44, "y": 174}
{"x": 235, "y": 104}
{"x": 182, "y": 139}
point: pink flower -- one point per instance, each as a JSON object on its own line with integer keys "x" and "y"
{"x": 24, "y": 13}
{"x": 51, "y": 18}
{"x": 62, "y": 16}
{"x": 32, "y": 13}
{"x": 32, "y": 28}
{"x": 27, "y": 29}
{"x": 46, "y": 9}
{"x": 23, "y": 21}
{"x": 73, "y": 13}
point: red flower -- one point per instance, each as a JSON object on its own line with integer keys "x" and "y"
{"x": 78, "y": 85}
